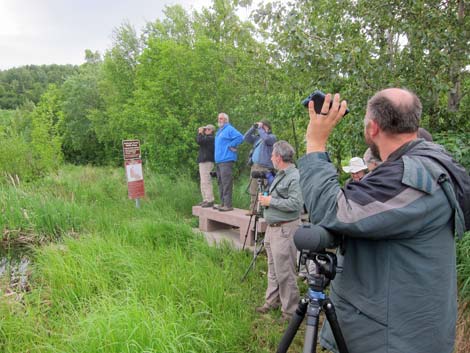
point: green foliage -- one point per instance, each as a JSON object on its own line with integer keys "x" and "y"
{"x": 28, "y": 83}
{"x": 81, "y": 101}
{"x": 46, "y": 142}
{"x": 457, "y": 144}
{"x": 345, "y": 47}
{"x": 182, "y": 70}
{"x": 16, "y": 160}
{"x": 463, "y": 266}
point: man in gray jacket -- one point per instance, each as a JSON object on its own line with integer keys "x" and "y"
{"x": 282, "y": 213}
{"x": 397, "y": 292}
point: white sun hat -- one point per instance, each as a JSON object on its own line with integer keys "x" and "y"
{"x": 355, "y": 165}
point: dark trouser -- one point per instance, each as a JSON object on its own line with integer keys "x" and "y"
{"x": 225, "y": 181}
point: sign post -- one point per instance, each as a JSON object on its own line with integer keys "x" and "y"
{"x": 134, "y": 173}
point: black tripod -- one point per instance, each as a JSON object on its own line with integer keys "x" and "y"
{"x": 259, "y": 243}
{"x": 313, "y": 303}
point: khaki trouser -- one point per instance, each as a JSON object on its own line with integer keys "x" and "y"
{"x": 254, "y": 184}
{"x": 282, "y": 275}
{"x": 206, "y": 182}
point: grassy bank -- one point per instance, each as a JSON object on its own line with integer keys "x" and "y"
{"x": 107, "y": 277}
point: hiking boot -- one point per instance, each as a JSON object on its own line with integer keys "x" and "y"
{"x": 201, "y": 203}
{"x": 217, "y": 206}
{"x": 225, "y": 209}
{"x": 285, "y": 318}
{"x": 265, "y": 308}
{"x": 207, "y": 204}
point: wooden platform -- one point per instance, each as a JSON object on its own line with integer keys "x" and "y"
{"x": 211, "y": 219}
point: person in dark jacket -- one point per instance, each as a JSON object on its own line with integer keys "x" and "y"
{"x": 398, "y": 289}
{"x": 205, "y": 158}
{"x": 262, "y": 139}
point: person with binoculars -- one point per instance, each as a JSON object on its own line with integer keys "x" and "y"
{"x": 262, "y": 139}
{"x": 227, "y": 140}
{"x": 398, "y": 288}
{"x": 205, "y": 159}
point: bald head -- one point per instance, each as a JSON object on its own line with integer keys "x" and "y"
{"x": 395, "y": 110}
{"x": 397, "y": 96}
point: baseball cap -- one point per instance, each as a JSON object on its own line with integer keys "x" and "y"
{"x": 209, "y": 126}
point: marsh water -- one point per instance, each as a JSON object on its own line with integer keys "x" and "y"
{"x": 14, "y": 269}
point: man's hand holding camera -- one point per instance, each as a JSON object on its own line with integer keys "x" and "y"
{"x": 321, "y": 125}
{"x": 200, "y": 130}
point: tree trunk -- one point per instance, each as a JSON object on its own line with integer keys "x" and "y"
{"x": 457, "y": 52}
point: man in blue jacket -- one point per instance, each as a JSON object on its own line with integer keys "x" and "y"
{"x": 398, "y": 289}
{"x": 227, "y": 140}
{"x": 262, "y": 139}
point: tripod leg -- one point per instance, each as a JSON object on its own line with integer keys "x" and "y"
{"x": 253, "y": 261}
{"x": 247, "y": 232}
{"x": 294, "y": 325}
{"x": 330, "y": 313}
{"x": 253, "y": 211}
{"x": 311, "y": 330}
{"x": 255, "y": 253}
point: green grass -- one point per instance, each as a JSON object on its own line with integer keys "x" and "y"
{"x": 108, "y": 277}
{"x": 112, "y": 278}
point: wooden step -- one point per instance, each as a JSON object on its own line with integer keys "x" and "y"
{"x": 211, "y": 219}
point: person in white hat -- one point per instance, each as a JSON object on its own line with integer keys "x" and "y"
{"x": 357, "y": 168}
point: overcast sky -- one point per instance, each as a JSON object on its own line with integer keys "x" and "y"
{"x": 58, "y": 31}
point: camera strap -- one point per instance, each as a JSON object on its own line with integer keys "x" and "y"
{"x": 459, "y": 222}
{"x": 257, "y": 143}
{"x": 273, "y": 187}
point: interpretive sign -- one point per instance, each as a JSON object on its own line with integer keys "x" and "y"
{"x": 135, "y": 179}
{"x": 131, "y": 149}
{"x": 134, "y": 173}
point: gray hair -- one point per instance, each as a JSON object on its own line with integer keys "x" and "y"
{"x": 284, "y": 150}
{"x": 369, "y": 157}
{"x": 225, "y": 116}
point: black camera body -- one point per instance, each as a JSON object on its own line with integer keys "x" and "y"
{"x": 318, "y": 97}
{"x": 269, "y": 176}
{"x": 258, "y": 175}
{"x": 213, "y": 174}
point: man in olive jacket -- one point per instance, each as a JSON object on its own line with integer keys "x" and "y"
{"x": 397, "y": 292}
{"x": 282, "y": 209}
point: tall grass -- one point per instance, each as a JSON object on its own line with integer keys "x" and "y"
{"x": 121, "y": 279}
{"x": 113, "y": 278}
{"x": 149, "y": 293}
{"x": 88, "y": 200}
